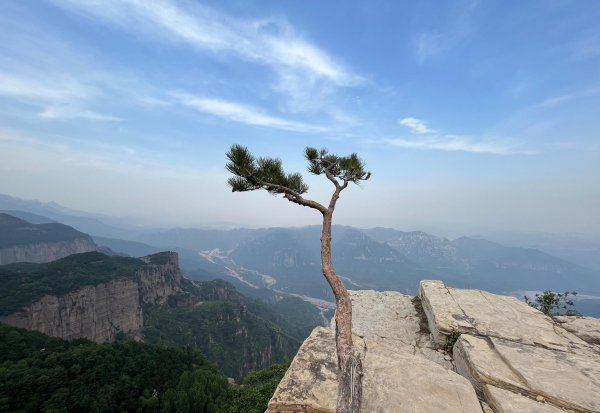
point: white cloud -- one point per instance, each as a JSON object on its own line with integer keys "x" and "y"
{"x": 65, "y": 112}
{"x": 457, "y": 143}
{"x": 52, "y": 89}
{"x": 60, "y": 97}
{"x": 241, "y": 113}
{"x": 416, "y": 126}
{"x": 271, "y": 42}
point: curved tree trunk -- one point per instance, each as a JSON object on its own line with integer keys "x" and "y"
{"x": 350, "y": 366}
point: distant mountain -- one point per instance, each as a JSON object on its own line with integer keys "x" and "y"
{"x": 131, "y": 248}
{"x": 288, "y": 260}
{"x": 28, "y": 216}
{"x": 82, "y": 221}
{"x": 21, "y": 241}
{"x": 197, "y": 239}
{"x": 580, "y": 249}
{"x": 478, "y": 263}
{"x": 292, "y": 258}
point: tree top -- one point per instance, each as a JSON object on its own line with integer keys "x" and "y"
{"x": 251, "y": 173}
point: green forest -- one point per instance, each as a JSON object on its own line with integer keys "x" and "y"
{"x": 43, "y": 374}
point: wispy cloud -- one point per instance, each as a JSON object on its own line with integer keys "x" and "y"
{"x": 432, "y": 139}
{"x": 458, "y": 23}
{"x": 456, "y": 143}
{"x": 416, "y": 126}
{"x": 271, "y": 42}
{"x": 245, "y": 114}
{"x": 32, "y": 88}
{"x": 58, "y": 97}
{"x": 66, "y": 112}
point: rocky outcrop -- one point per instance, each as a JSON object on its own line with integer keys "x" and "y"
{"x": 510, "y": 351}
{"x": 503, "y": 357}
{"x": 403, "y": 372}
{"x": 100, "y": 312}
{"x": 46, "y": 251}
{"x": 586, "y": 328}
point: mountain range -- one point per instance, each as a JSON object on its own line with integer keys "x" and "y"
{"x": 262, "y": 263}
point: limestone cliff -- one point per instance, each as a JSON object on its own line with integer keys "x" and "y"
{"x": 451, "y": 350}
{"x": 46, "y": 251}
{"x": 99, "y": 312}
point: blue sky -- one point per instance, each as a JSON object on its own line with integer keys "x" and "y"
{"x": 473, "y": 116}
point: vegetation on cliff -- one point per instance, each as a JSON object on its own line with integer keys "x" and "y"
{"x": 25, "y": 283}
{"x": 238, "y": 334}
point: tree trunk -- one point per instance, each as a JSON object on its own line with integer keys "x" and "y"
{"x": 350, "y": 366}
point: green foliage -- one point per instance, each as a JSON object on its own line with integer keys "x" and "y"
{"x": 25, "y": 283}
{"x": 251, "y": 173}
{"x": 347, "y": 168}
{"x": 451, "y": 340}
{"x": 256, "y": 391}
{"x": 552, "y": 303}
{"x": 42, "y": 374}
{"x": 160, "y": 258}
{"x": 227, "y": 333}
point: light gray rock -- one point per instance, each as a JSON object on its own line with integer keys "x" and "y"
{"x": 564, "y": 379}
{"x": 586, "y": 328}
{"x": 394, "y": 318}
{"x": 505, "y": 401}
{"x": 509, "y": 356}
{"x": 386, "y": 315}
{"x": 394, "y": 381}
{"x": 482, "y": 313}
{"x": 97, "y": 313}
{"x": 310, "y": 384}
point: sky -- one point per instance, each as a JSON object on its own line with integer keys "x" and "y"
{"x": 472, "y": 116}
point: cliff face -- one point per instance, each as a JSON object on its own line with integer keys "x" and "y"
{"x": 100, "y": 312}
{"x": 45, "y": 251}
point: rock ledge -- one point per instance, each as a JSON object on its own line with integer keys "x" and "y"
{"x": 508, "y": 358}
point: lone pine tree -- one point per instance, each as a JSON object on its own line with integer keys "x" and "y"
{"x": 251, "y": 173}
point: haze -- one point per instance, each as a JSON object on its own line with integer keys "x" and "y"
{"x": 473, "y": 116}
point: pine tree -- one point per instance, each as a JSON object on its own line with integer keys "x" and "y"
{"x": 251, "y": 173}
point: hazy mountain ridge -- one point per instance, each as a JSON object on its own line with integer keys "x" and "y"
{"x": 22, "y": 241}
{"x": 383, "y": 259}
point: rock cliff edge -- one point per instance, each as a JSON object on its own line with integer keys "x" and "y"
{"x": 452, "y": 350}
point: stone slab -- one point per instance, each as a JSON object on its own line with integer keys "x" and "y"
{"x": 394, "y": 318}
{"x": 394, "y": 381}
{"x": 310, "y": 384}
{"x": 482, "y": 313}
{"x": 586, "y": 328}
{"x": 505, "y": 401}
{"x": 386, "y": 315}
{"x": 564, "y": 379}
